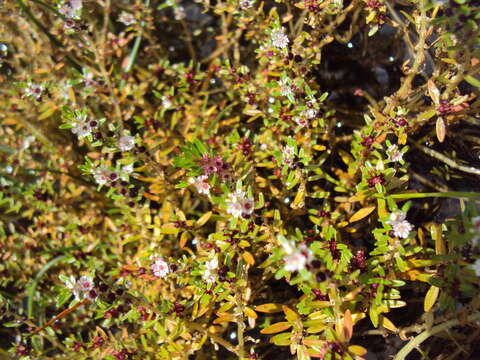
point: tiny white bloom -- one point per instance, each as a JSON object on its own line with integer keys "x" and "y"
{"x": 476, "y": 267}
{"x": 402, "y": 229}
{"x": 160, "y": 268}
{"x": 201, "y": 184}
{"x": 82, "y": 287}
{"x": 101, "y": 175}
{"x": 285, "y": 88}
{"x": 394, "y": 153}
{"x": 71, "y": 9}
{"x": 27, "y": 142}
{"x": 127, "y": 18}
{"x": 396, "y": 217}
{"x": 301, "y": 121}
{"x": 279, "y": 38}
{"x": 209, "y": 275}
{"x": 289, "y": 151}
{"x": 126, "y": 143}
{"x": 296, "y": 259}
{"x": 246, "y": 4}
{"x": 239, "y": 204}
{"x": 309, "y": 113}
{"x": 166, "y": 102}
{"x": 34, "y": 90}
{"x": 179, "y": 13}
{"x": 83, "y": 126}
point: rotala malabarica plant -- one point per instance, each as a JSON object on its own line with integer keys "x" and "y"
{"x": 246, "y": 179}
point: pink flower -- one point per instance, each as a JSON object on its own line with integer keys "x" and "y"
{"x": 160, "y": 268}
{"x": 82, "y": 288}
{"x": 201, "y": 184}
{"x": 279, "y": 38}
{"x": 239, "y": 204}
{"x": 296, "y": 259}
{"x": 126, "y": 143}
{"x": 401, "y": 227}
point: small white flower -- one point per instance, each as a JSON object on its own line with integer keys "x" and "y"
{"x": 201, "y": 184}
{"x": 101, "y": 175}
{"x": 34, "y": 90}
{"x": 289, "y": 151}
{"x": 279, "y": 38}
{"x": 285, "y": 88}
{"x": 309, "y": 113}
{"x": 301, "y": 121}
{"x": 396, "y": 217}
{"x": 27, "y": 142}
{"x": 402, "y": 229}
{"x": 126, "y": 143}
{"x": 160, "y": 268}
{"x": 476, "y": 267}
{"x": 246, "y": 4}
{"x": 179, "y": 13}
{"x": 71, "y": 9}
{"x": 127, "y": 18}
{"x": 239, "y": 204}
{"x": 82, "y": 287}
{"x": 83, "y": 126}
{"x": 209, "y": 275}
{"x": 88, "y": 79}
{"x": 166, "y": 102}
{"x": 296, "y": 258}
{"x": 394, "y": 153}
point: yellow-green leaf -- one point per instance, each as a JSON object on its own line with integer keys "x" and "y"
{"x": 357, "y": 350}
{"x": 282, "y": 339}
{"x": 360, "y": 214}
{"x": 269, "y": 308}
{"x": 169, "y": 229}
{"x": 289, "y": 313}
{"x": 203, "y": 219}
{"x": 387, "y": 324}
{"x": 431, "y": 297}
{"x": 276, "y": 328}
{"x": 250, "y": 313}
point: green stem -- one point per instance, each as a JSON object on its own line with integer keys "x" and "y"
{"x": 417, "y": 340}
{"x": 450, "y": 194}
{"x": 136, "y": 45}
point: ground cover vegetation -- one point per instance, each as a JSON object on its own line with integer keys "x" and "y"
{"x": 251, "y": 179}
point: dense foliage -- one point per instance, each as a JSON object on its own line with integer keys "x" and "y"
{"x": 239, "y": 179}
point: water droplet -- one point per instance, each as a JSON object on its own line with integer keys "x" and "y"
{"x": 287, "y": 200}
{"x": 271, "y": 100}
{"x": 350, "y": 45}
{"x": 391, "y": 58}
{"x": 339, "y": 124}
{"x": 233, "y": 336}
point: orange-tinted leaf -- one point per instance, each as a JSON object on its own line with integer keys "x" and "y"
{"x": 289, "y": 313}
{"x": 203, "y": 219}
{"x": 276, "y": 328}
{"x": 269, "y": 308}
{"x": 224, "y": 319}
{"x": 250, "y": 313}
{"x": 248, "y": 257}
{"x": 347, "y": 325}
{"x": 440, "y": 129}
{"x": 360, "y": 214}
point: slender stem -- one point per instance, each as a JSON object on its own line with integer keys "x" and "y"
{"x": 417, "y": 340}
{"x": 419, "y": 59}
{"x": 451, "y": 194}
{"x": 450, "y": 162}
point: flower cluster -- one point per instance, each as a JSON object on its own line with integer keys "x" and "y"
{"x": 279, "y": 39}
{"x": 71, "y": 9}
{"x": 83, "y": 126}
{"x": 239, "y": 204}
{"x": 201, "y": 184}
{"x": 215, "y": 165}
{"x": 296, "y": 258}
{"x": 160, "y": 267}
{"x": 401, "y": 227}
{"x": 82, "y": 288}
{"x": 209, "y": 273}
{"x": 34, "y": 90}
